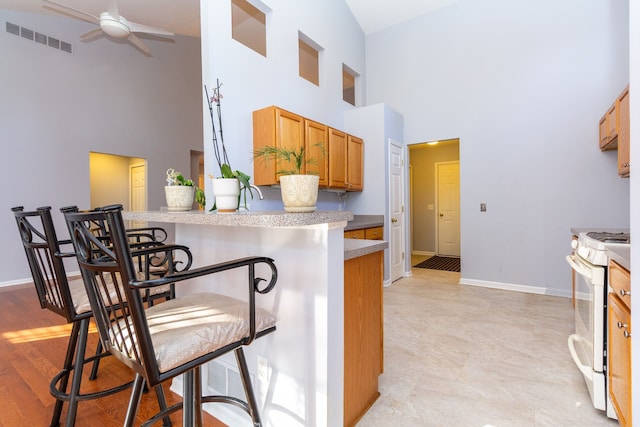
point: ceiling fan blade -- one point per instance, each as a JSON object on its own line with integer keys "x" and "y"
{"x": 91, "y": 34}
{"x": 138, "y": 43}
{"x": 70, "y": 11}
{"x": 140, "y": 28}
{"x": 112, "y": 8}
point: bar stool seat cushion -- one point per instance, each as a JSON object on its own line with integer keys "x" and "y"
{"x": 191, "y": 326}
{"x": 81, "y": 299}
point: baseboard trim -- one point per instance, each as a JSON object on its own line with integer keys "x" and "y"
{"x": 422, "y": 253}
{"x": 513, "y": 287}
{"x": 29, "y": 281}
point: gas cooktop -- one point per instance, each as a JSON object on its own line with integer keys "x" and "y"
{"x": 606, "y": 237}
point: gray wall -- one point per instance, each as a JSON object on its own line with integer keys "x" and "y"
{"x": 523, "y": 85}
{"x": 106, "y": 97}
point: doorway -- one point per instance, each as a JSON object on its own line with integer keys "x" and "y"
{"x": 117, "y": 180}
{"x": 423, "y": 194}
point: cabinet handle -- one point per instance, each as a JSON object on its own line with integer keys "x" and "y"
{"x": 623, "y": 292}
{"x": 622, "y": 325}
{"x": 627, "y": 334}
{"x": 393, "y": 220}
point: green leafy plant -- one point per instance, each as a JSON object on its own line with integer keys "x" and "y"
{"x": 176, "y": 178}
{"x": 294, "y": 157}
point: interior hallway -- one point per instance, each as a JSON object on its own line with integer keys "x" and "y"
{"x": 469, "y": 356}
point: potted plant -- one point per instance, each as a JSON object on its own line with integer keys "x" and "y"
{"x": 230, "y": 184}
{"x": 299, "y": 190}
{"x": 180, "y": 192}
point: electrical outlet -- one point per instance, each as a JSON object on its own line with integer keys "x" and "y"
{"x": 483, "y": 207}
{"x": 263, "y": 369}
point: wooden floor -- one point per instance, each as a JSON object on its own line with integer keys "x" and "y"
{"x": 32, "y": 348}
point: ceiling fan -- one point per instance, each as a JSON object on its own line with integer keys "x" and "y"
{"x": 111, "y": 23}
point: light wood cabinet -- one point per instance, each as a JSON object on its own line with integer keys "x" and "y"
{"x": 363, "y": 334}
{"x": 371, "y": 233}
{"x": 623, "y": 134}
{"x": 279, "y": 128}
{"x": 337, "y": 159}
{"x": 619, "y": 342}
{"x": 614, "y": 131}
{"x": 354, "y": 234}
{"x": 339, "y": 167}
{"x": 355, "y": 163}
{"x": 374, "y": 233}
{"x": 608, "y": 128}
{"x": 316, "y": 133}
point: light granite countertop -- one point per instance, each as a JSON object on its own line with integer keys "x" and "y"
{"x": 365, "y": 221}
{"x": 354, "y": 248}
{"x": 620, "y": 254}
{"x": 242, "y": 218}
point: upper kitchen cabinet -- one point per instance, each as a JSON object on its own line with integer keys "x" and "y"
{"x": 608, "y": 128}
{"x": 614, "y": 131}
{"x": 355, "y": 162}
{"x": 623, "y": 134}
{"x": 346, "y": 159}
{"x": 317, "y": 147}
{"x": 339, "y": 157}
{"x": 279, "y": 128}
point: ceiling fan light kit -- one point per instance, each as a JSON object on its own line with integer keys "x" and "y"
{"x": 113, "y": 27}
{"x": 111, "y": 23}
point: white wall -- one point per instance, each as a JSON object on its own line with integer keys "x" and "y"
{"x": 523, "y": 85}
{"x": 252, "y": 81}
{"x": 106, "y": 97}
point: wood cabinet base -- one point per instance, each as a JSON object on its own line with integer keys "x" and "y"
{"x": 363, "y": 334}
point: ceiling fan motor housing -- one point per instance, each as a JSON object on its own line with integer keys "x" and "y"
{"x": 114, "y": 27}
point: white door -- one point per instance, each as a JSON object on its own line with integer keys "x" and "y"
{"x": 138, "y": 192}
{"x": 396, "y": 207}
{"x": 448, "y": 200}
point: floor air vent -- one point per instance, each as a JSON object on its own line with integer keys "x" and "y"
{"x": 37, "y": 37}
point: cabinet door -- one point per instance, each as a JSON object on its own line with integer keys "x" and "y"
{"x": 354, "y": 234}
{"x": 623, "y": 134}
{"x": 337, "y": 159}
{"x": 620, "y": 281}
{"x": 374, "y": 233}
{"x": 612, "y": 122}
{"x": 619, "y": 352}
{"x": 603, "y": 130}
{"x": 317, "y": 133}
{"x": 363, "y": 334}
{"x": 355, "y": 162}
{"x": 280, "y": 128}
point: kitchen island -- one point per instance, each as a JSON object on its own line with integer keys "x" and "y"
{"x": 298, "y": 370}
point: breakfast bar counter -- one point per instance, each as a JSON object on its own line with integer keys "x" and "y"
{"x": 298, "y": 371}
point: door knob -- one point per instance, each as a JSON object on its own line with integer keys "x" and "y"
{"x": 441, "y": 215}
{"x": 393, "y": 220}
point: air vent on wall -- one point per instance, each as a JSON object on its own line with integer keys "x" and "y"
{"x": 37, "y": 37}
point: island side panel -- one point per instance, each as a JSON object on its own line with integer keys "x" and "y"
{"x": 306, "y": 352}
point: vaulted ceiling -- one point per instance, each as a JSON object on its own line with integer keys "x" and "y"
{"x": 183, "y": 17}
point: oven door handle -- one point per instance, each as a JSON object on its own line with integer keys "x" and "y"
{"x": 578, "y": 267}
{"x": 587, "y": 371}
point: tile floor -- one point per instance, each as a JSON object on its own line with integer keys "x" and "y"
{"x": 460, "y": 356}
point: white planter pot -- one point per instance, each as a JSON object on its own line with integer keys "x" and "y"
{"x": 179, "y": 197}
{"x": 227, "y": 194}
{"x": 299, "y": 192}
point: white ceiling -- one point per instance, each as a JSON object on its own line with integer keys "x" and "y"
{"x": 183, "y": 16}
{"x": 374, "y": 15}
